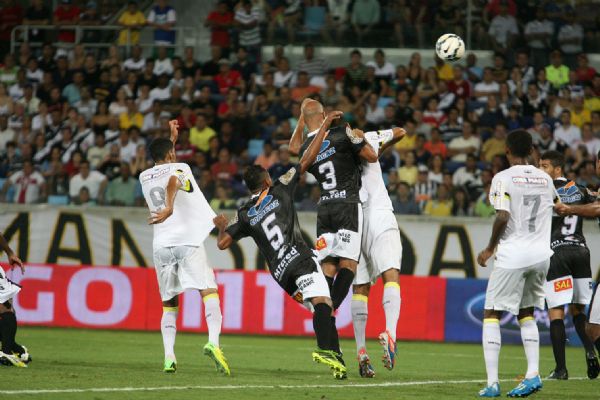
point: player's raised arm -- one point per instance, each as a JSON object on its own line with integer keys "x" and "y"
{"x": 13, "y": 260}
{"x": 591, "y": 210}
{"x": 397, "y": 135}
{"x": 297, "y": 136}
{"x": 174, "y": 125}
{"x": 224, "y": 239}
{"x": 161, "y": 215}
{"x": 309, "y": 156}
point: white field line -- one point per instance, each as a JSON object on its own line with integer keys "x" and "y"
{"x": 245, "y": 387}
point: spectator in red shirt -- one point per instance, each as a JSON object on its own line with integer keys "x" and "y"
{"x": 460, "y": 87}
{"x": 184, "y": 149}
{"x": 11, "y": 15}
{"x": 224, "y": 170}
{"x": 493, "y": 8}
{"x": 435, "y": 145}
{"x": 219, "y": 21}
{"x": 585, "y": 73}
{"x": 66, "y": 14}
{"x": 227, "y": 78}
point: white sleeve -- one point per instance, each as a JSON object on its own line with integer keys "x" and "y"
{"x": 171, "y": 16}
{"x": 378, "y": 138}
{"x": 499, "y": 194}
{"x": 152, "y": 16}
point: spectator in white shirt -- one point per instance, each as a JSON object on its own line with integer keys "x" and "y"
{"x": 6, "y": 134}
{"x": 162, "y": 65}
{"x": 567, "y": 134}
{"x": 375, "y": 113}
{"x": 29, "y": 184}
{"x": 589, "y": 140}
{"x": 162, "y": 91}
{"x": 503, "y": 28}
{"x": 467, "y": 143}
{"x": 94, "y": 181}
{"x": 337, "y": 19}
{"x": 136, "y": 62}
{"x": 570, "y": 40}
{"x": 488, "y": 86}
{"x": 538, "y": 34}
{"x": 152, "y": 120}
{"x": 29, "y": 100}
{"x": 527, "y": 71}
{"x": 284, "y": 76}
{"x": 383, "y": 69}
{"x": 127, "y": 148}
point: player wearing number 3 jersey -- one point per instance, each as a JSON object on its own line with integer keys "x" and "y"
{"x": 182, "y": 220}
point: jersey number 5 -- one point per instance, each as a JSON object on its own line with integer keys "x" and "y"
{"x": 328, "y": 170}
{"x": 273, "y": 232}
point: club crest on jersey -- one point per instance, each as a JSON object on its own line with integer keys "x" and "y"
{"x": 569, "y": 193}
{"x": 186, "y": 184}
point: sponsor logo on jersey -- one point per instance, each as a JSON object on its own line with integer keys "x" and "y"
{"x": 258, "y": 212}
{"x": 334, "y": 194}
{"x": 530, "y": 180}
{"x": 324, "y": 145}
{"x": 563, "y": 284}
{"x": 325, "y": 151}
{"x": 291, "y": 255}
{"x": 569, "y": 193}
{"x": 321, "y": 243}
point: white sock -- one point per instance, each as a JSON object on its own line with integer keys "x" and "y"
{"x": 168, "y": 328}
{"x": 391, "y": 306}
{"x": 360, "y": 313}
{"x": 531, "y": 342}
{"x": 212, "y": 313}
{"x": 492, "y": 341}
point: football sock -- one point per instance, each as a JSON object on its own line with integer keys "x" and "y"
{"x": 333, "y": 337}
{"x": 8, "y": 331}
{"x": 329, "y": 280}
{"x": 597, "y": 344}
{"x": 559, "y": 338}
{"x": 168, "y": 328}
{"x": 321, "y": 324}
{"x": 360, "y": 313}
{"x": 341, "y": 286}
{"x": 214, "y": 318}
{"x": 391, "y": 307}
{"x": 579, "y": 321}
{"x": 531, "y": 342}
{"x": 492, "y": 341}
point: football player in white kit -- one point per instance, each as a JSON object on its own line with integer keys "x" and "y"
{"x": 523, "y": 197}
{"x": 381, "y": 254}
{"x": 182, "y": 220}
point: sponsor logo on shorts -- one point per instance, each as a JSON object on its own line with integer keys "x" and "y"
{"x": 345, "y": 237}
{"x": 321, "y": 243}
{"x": 563, "y": 284}
{"x": 305, "y": 282}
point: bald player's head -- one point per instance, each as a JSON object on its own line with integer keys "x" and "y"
{"x": 313, "y": 113}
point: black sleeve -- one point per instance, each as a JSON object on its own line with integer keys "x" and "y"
{"x": 588, "y": 197}
{"x": 236, "y": 229}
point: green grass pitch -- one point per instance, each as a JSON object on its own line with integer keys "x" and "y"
{"x": 128, "y": 365}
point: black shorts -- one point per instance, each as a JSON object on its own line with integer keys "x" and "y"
{"x": 339, "y": 230}
{"x": 571, "y": 261}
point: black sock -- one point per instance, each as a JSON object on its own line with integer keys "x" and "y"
{"x": 8, "y": 331}
{"x": 17, "y": 348}
{"x": 335, "y": 340}
{"x": 329, "y": 280}
{"x": 341, "y": 286}
{"x": 321, "y": 325}
{"x": 597, "y": 344}
{"x": 559, "y": 338}
{"x": 579, "y": 321}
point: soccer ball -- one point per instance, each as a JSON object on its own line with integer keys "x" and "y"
{"x": 450, "y": 47}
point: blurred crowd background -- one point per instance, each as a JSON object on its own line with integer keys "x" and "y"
{"x": 76, "y": 118}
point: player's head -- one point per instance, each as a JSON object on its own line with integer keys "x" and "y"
{"x": 162, "y": 151}
{"x": 553, "y": 163}
{"x": 314, "y": 114}
{"x": 518, "y": 144}
{"x": 257, "y": 178}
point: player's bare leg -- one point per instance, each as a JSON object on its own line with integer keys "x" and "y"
{"x": 8, "y": 332}
{"x": 360, "y": 312}
{"x": 168, "y": 329}
{"x": 577, "y": 311}
{"x": 214, "y": 319}
{"x": 391, "y": 306}
{"x": 324, "y": 326}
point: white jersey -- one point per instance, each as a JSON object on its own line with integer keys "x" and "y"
{"x": 192, "y": 218}
{"x": 528, "y": 194}
{"x": 373, "y": 193}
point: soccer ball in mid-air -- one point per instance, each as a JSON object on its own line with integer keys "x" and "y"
{"x": 450, "y": 47}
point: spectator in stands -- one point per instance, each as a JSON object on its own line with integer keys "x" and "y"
{"x": 314, "y": 67}
{"x": 557, "y": 73}
{"x": 268, "y": 157}
{"x": 441, "y": 206}
{"x": 503, "y": 29}
{"x": 121, "y": 190}
{"x": 37, "y": 14}
{"x": 66, "y": 14}
{"x": 538, "y": 34}
{"x": 224, "y": 170}
{"x": 336, "y": 20}
{"x": 94, "y": 181}
{"x": 486, "y": 87}
{"x": 219, "y": 21}
{"x": 567, "y": 134}
{"x": 222, "y": 200}
{"x": 495, "y": 145}
{"x": 383, "y": 69}
{"x": 483, "y": 207}
{"x": 163, "y": 18}
{"x": 247, "y": 20}
{"x": 570, "y": 39}
{"x": 303, "y": 87}
{"x": 132, "y": 20}
{"x": 29, "y": 185}
{"x": 356, "y": 71}
{"x": 72, "y": 92}
{"x": 365, "y": 15}
{"x": 227, "y": 78}
{"x": 201, "y": 133}
{"x": 136, "y": 62}
{"x": 162, "y": 64}
{"x": 11, "y": 15}
{"x": 404, "y": 203}
{"x": 460, "y": 147}
{"x": 461, "y": 206}
{"x": 131, "y": 116}
{"x": 447, "y": 19}
{"x": 408, "y": 171}
{"x": 283, "y": 164}
{"x": 243, "y": 65}
{"x": 98, "y": 152}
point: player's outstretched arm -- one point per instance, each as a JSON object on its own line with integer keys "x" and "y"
{"x": 161, "y": 215}
{"x": 174, "y": 126}
{"x": 298, "y": 134}
{"x": 310, "y": 155}
{"x": 500, "y": 223}
{"x": 224, "y": 239}
{"x": 397, "y": 135}
{"x": 13, "y": 260}
{"x": 590, "y": 210}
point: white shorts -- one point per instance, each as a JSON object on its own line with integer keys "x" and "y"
{"x": 8, "y": 289}
{"x": 180, "y": 268}
{"x": 381, "y": 246}
{"x": 513, "y": 289}
{"x": 310, "y": 286}
{"x": 594, "y": 312}
{"x": 566, "y": 290}
{"x": 339, "y": 230}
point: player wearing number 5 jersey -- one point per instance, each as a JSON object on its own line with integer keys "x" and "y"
{"x": 270, "y": 218}
{"x": 182, "y": 220}
{"x": 569, "y": 279}
{"x": 523, "y": 197}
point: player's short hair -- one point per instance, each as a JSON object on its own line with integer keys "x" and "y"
{"x": 159, "y": 148}
{"x": 556, "y": 158}
{"x": 254, "y": 177}
{"x": 519, "y": 143}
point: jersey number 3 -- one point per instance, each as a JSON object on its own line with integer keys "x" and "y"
{"x": 328, "y": 171}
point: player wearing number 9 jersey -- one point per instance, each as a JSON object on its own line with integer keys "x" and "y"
{"x": 523, "y": 197}
{"x": 182, "y": 220}
{"x": 569, "y": 279}
{"x": 270, "y": 218}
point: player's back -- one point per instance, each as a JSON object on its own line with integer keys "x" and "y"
{"x": 528, "y": 194}
{"x": 337, "y": 167}
{"x": 191, "y": 221}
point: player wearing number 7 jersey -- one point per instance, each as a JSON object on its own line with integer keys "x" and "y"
{"x": 523, "y": 197}
{"x": 182, "y": 220}
{"x": 569, "y": 280}
{"x": 270, "y": 218}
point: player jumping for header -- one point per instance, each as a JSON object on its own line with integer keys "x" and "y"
{"x": 270, "y": 218}
{"x": 182, "y": 220}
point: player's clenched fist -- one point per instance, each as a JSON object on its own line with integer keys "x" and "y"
{"x": 220, "y": 221}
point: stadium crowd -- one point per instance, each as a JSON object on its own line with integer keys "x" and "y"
{"x": 75, "y": 123}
